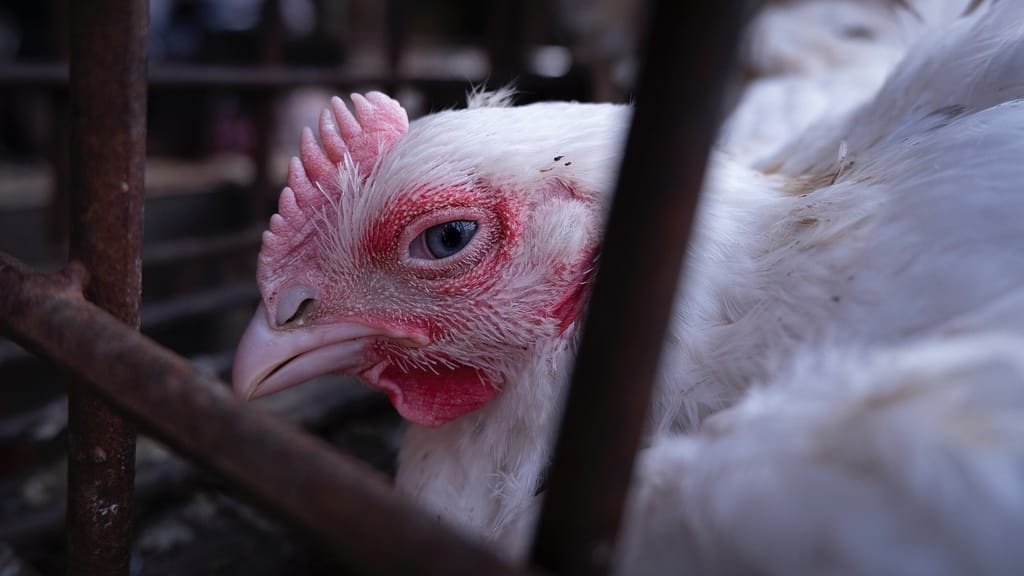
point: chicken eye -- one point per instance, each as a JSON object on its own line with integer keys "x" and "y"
{"x": 443, "y": 240}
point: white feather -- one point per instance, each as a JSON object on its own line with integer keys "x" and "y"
{"x": 852, "y": 318}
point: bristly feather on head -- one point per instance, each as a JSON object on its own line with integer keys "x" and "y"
{"x": 480, "y": 97}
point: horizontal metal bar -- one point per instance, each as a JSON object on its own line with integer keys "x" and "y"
{"x": 158, "y": 315}
{"x": 333, "y": 498}
{"x": 237, "y": 77}
{"x": 198, "y": 304}
{"x": 679, "y": 100}
{"x": 175, "y": 251}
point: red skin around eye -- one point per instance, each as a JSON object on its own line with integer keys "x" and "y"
{"x": 392, "y": 230}
{"x": 383, "y": 238}
{"x": 432, "y": 396}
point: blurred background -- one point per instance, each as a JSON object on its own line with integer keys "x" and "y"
{"x": 232, "y": 82}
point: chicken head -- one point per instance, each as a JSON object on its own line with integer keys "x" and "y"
{"x": 430, "y": 260}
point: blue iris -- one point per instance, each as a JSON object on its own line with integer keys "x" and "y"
{"x": 449, "y": 238}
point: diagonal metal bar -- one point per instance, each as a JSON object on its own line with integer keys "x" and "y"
{"x": 333, "y": 498}
{"x": 109, "y": 44}
{"x": 688, "y": 60}
{"x": 195, "y": 76}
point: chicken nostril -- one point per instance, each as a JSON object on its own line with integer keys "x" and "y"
{"x": 306, "y": 308}
{"x": 295, "y": 306}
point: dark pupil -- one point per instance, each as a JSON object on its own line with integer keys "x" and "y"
{"x": 447, "y": 239}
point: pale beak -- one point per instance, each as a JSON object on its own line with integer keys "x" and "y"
{"x": 270, "y": 360}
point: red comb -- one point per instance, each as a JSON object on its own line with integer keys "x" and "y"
{"x": 352, "y": 146}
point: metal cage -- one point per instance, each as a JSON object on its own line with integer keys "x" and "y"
{"x": 85, "y": 318}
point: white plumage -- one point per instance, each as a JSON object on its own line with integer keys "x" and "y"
{"x": 842, "y": 389}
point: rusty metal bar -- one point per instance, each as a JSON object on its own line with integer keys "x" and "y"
{"x": 46, "y": 522}
{"x": 688, "y": 60}
{"x": 167, "y": 478}
{"x": 235, "y": 77}
{"x": 336, "y": 499}
{"x": 109, "y": 44}
{"x": 160, "y": 315}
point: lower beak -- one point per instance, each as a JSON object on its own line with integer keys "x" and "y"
{"x": 270, "y": 360}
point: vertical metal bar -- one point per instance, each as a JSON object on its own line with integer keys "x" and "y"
{"x": 506, "y": 38}
{"x": 396, "y": 14}
{"x": 688, "y": 60}
{"x": 108, "y": 143}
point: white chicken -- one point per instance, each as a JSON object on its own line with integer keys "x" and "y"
{"x": 842, "y": 388}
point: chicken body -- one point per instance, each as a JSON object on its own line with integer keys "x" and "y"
{"x": 842, "y": 388}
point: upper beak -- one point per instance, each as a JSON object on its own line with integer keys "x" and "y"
{"x": 269, "y": 360}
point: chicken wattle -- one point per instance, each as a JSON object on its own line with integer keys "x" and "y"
{"x": 843, "y": 382}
